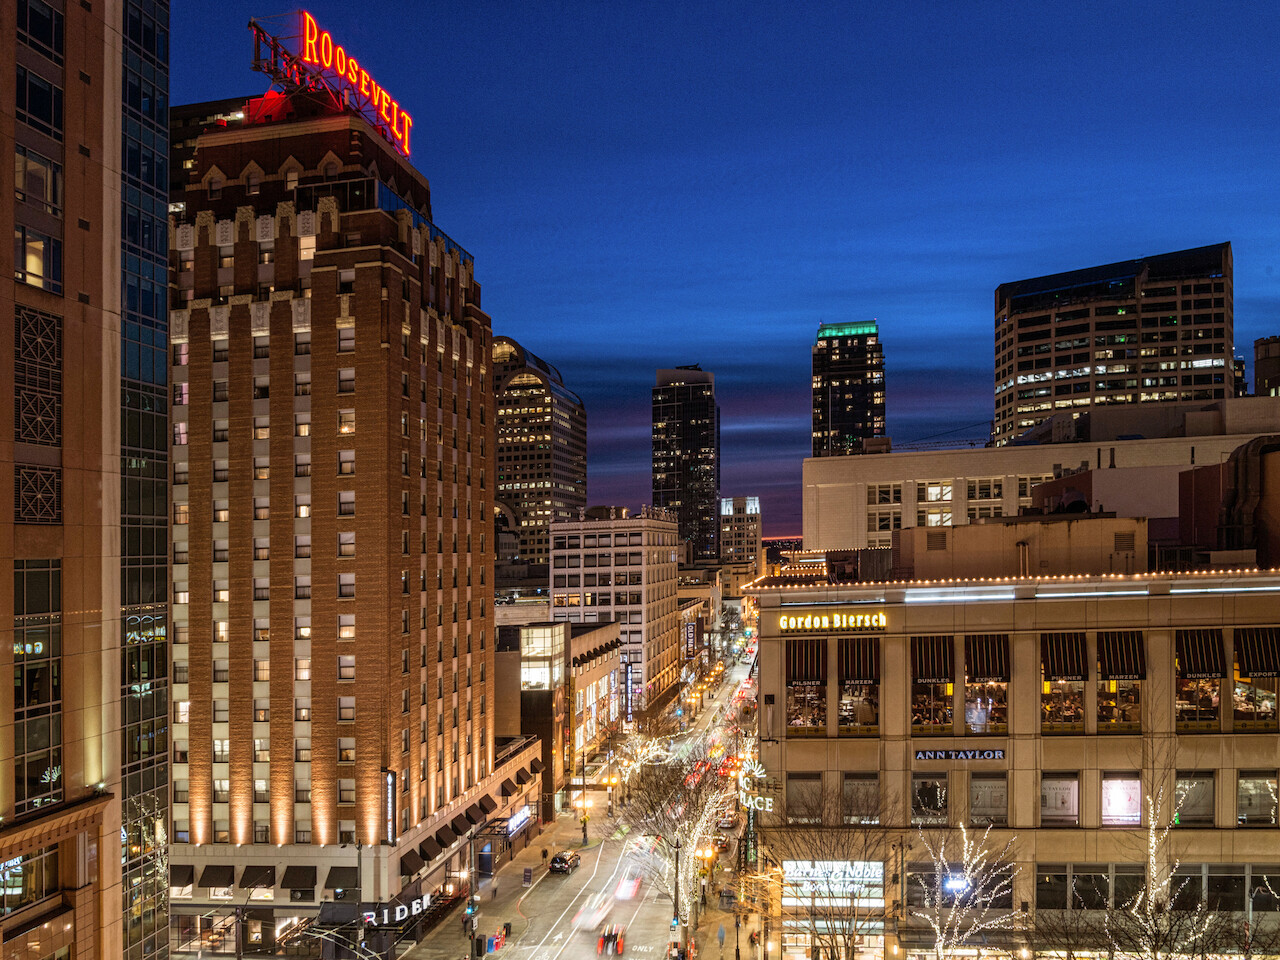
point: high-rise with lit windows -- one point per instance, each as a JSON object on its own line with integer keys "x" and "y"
{"x": 542, "y": 448}
{"x": 848, "y": 387}
{"x": 686, "y": 456}
{"x": 1138, "y": 331}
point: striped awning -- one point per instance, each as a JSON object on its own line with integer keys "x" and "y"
{"x": 1121, "y": 655}
{"x": 299, "y": 876}
{"x": 1258, "y": 651}
{"x": 1063, "y": 656}
{"x": 932, "y": 660}
{"x": 1200, "y": 655}
{"x": 859, "y": 660}
{"x": 807, "y": 661}
{"x": 257, "y": 875}
{"x": 411, "y": 862}
{"x": 986, "y": 658}
{"x": 429, "y": 849}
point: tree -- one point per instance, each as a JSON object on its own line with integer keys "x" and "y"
{"x": 967, "y": 890}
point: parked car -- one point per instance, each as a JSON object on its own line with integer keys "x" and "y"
{"x": 565, "y": 861}
{"x": 612, "y": 939}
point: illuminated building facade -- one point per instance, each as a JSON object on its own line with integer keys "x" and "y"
{"x": 542, "y": 447}
{"x": 612, "y": 565}
{"x": 686, "y": 456}
{"x": 1139, "y": 331}
{"x": 1051, "y": 709}
{"x": 333, "y": 477}
{"x": 848, "y": 387}
{"x": 740, "y": 529}
{"x": 84, "y": 802}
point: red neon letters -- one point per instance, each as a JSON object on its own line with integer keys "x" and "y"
{"x": 319, "y": 49}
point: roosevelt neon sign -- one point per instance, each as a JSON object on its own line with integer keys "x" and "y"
{"x": 320, "y": 50}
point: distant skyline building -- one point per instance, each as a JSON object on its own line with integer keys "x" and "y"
{"x": 541, "y": 447}
{"x": 686, "y": 456}
{"x": 848, "y": 387}
{"x": 1266, "y": 367}
{"x": 1139, "y": 331}
{"x": 740, "y": 529}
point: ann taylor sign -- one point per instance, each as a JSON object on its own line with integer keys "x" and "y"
{"x": 959, "y": 754}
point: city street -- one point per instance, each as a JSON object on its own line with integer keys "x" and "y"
{"x": 562, "y": 915}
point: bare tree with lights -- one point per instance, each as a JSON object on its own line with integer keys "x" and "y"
{"x": 968, "y": 893}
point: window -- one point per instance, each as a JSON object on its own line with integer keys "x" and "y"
{"x": 347, "y": 705}
{"x": 302, "y": 424}
{"x": 347, "y": 544}
{"x": 262, "y": 750}
{"x": 221, "y": 350}
{"x": 37, "y": 259}
{"x": 1059, "y": 799}
{"x": 1062, "y": 673}
{"x": 261, "y": 508}
{"x": 1193, "y": 799}
{"x": 221, "y": 671}
{"x": 261, "y": 348}
{"x": 302, "y": 828}
{"x": 221, "y": 751}
{"x": 302, "y": 668}
{"x": 986, "y": 687}
{"x": 1200, "y": 673}
{"x": 38, "y": 180}
{"x": 261, "y": 670}
{"x": 806, "y": 687}
{"x": 346, "y": 791}
{"x": 221, "y": 511}
{"x": 1256, "y": 799}
{"x": 302, "y": 465}
{"x": 861, "y": 798}
{"x": 302, "y": 344}
{"x": 1255, "y": 687}
{"x": 347, "y": 380}
{"x": 346, "y": 421}
{"x": 932, "y": 688}
{"x": 859, "y": 707}
{"x": 221, "y": 711}
{"x": 302, "y": 709}
{"x": 39, "y": 103}
{"x": 181, "y": 514}
{"x": 346, "y": 339}
{"x": 302, "y": 588}
{"x": 1121, "y": 799}
{"x": 261, "y": 711}
{"x": 346, "y": 462}
{"x": 928, "y": 799}
{"x": 302, "y": 384}
{"x": 346, "y": 749}
{"x": 346, "y": 667}
{"x": 346, "y": 585}
{"x": 261, "y": 548}
{"x": 261, "y": 468}
{"x": 221, "y": 430}
{"x": 346, "y": 503}
{"x": 302, "y": 750}
{"x": 804, "y": 798}
{"x": 347, "y": 627}
{"x": 988, "y": 799}
{"x": 40, "y": 27}
{"x": 261, "y": 385}
{"x": 302, "y": 507}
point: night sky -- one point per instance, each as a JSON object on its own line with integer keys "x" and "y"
{"x": 645, "y": 185}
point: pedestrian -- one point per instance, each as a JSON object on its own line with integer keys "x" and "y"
{"x": 544, "y": 856}
{"x": 494, "y": 885}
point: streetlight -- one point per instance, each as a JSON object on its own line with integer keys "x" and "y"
{"x": 610, "y": 782}
{"x": 584, "y": 805}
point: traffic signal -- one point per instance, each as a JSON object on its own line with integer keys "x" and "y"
{"x": 471, "y": 906}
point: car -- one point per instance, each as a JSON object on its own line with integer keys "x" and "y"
{"x": 629, "y": 885}
{"x": 594, "y": 911}
{"x": 721, "y": 843}
{"x": 612, "y": 939}
{"x": 564, "y": 862}
{"x": 728, "y": 821}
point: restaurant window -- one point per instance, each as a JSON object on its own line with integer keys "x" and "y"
{"x": 1200, "y": 672}
{"x": 1062, "y": 664}
{"x": 804, "y": 798}
{"x": 1256, "y": 799}
{"x": 986, "y": 686}
{"x": 1122, "y": 666}
{"x": 1121, "y": 800}
{"x": 1193, "y": 799}
{"x": 932, "y": 679}
{"x": 988, "y": 799}
{"x": 859, "y": 685}
{"x": 806, "y": 687}
{"x": 928, "y": 799}
{"x": 1059, "y": 799}
{"x": 860, "y": 799}
{"x": 1253, "y": 699}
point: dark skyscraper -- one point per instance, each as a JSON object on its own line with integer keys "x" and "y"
{"x": 848, "y": 387}
{"x": 686, "y": 455}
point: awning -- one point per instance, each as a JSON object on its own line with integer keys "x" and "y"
{"x": 1121, "y": 655}
{"x": 1200, "y": 654}
{"x": 986, "y": 658}
{"x": 257, "y": 875}
{"x": 932, "y": 660}
{"x": 410, "y": 863}
{"x": 445, "y": 837}
{"x": 536, "y": 765}
{"x": 806, "y": 661}
{"x": 1258, "y": 651}
{"x": 508, "y": 788}
{"x": 342, "y": 878}
{"x": 218, "y": 875}
{"x": 429, "y": 849}
{"x": 459, "y": 825}
{"x": 474, "y": 813}
{"x": 299, "y": 876}
{"x": 523, "y": 775}
{"x": 488, "y": 804}
{"x": 1063, "y": 656}
{"x": 860, "y": 660}
{"x": 181, "y": 874}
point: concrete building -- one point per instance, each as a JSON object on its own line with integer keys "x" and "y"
{"x": 1050, "y": 708}
{"x": 84, "y": 780}
{"x": 333, "y": 415}
{"x": 686, "y": 457}
{"x": 613, "y": 565}
{"x": 740, "y": 531}
{"x": 542, "y": 449}
{"x": 1152, "y": 330}
{"x": 1266, "y": 367}
{"x": 858, "y": 502}
{"x": 848, "y": 387}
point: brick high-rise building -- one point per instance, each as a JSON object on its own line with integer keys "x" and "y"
{"x": 848, "y": 387}
{"x": 84, "y": 726}
{"x": 333, "y": 496}
{"x": 686, "y": 456}
{"x": 1139, "y": 331}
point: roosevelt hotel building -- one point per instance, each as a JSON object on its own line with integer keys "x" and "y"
{"x": 332, "y": 497}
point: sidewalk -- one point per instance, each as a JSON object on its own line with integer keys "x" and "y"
{"x": 448, "y": 941}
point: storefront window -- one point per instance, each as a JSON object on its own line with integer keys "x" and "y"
{"x": 1256, "y": 799}
{"x": 806, "y": 687}
{"x": 1193, "y": 799}
{"x": 861, "y": 800}
{"x": 1121, "y": 800}
{"x": 1090, "y": 886}
{"x": 988, "y": 800}
{"x": 928, "y": 799}
{"x": 1051, "y": 886}
{"x": 859, "y": 686}
{"x": 986, "y": 687}
{"x": 804, "y": 798}
{"x": 932, "y": 689}
{"x": 1253, "y": 701}
{"x": 1119, "y": 706}
{"x": 1122, "y": 666}
{"x": 1199, "y": 679}
{"x": 1062, "y": 665}
{"x": 1059, "y": 799}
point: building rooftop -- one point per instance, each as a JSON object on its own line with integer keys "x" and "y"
{"x": 848, "y": 329}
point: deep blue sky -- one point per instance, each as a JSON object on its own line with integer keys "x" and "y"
{"x": 646, "y": 184}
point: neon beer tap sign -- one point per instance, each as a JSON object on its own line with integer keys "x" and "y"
{"x": 321, "y": 50}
